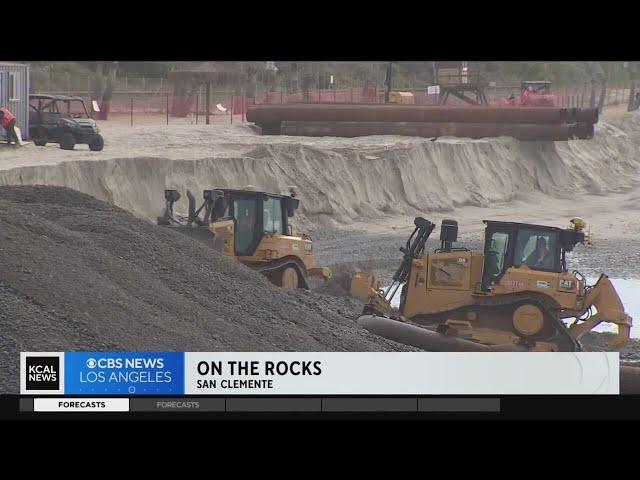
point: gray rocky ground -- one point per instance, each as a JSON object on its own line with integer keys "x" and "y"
{"x": 80, "y": 274}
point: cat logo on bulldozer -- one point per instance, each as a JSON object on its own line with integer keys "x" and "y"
{"x": 566, "y": 284}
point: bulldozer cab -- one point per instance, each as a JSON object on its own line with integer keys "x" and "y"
{"x": 257, "y": 214}
{"x": 254, "y": 214}
{"x": 537, "y": 247}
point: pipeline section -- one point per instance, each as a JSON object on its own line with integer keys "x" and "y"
{"x": 352, "y": 120}
{"x": 424, "y": 339}
{"x": 431, "y": 341}
{"x": 520, "y": 131}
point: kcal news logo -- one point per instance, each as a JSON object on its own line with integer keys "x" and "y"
{"x": 42, "y": 373}
{"x": 106, "y": 373}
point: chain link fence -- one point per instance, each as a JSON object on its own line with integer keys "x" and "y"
{"x": 148, "y": 101}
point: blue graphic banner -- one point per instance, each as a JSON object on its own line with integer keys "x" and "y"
{"x": 123, "y": 373}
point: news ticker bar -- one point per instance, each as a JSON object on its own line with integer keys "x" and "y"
{"x": 130, "y": 374}
{"x": 278, "y": 404}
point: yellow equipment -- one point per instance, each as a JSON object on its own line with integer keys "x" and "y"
{"x": 362, "y": 283}
{"x": 252, "y": 227}
{"x": 403, "y": 98}
{"x": 513, "y": 295}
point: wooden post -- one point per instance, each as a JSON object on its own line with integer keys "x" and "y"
{"x": 208, "y": 100}
{"x": 603, "y": 93}
{"x": 632, "y": 88}
{"x": 592, "y": 98}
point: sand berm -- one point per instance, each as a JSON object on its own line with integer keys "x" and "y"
{"x": 340, "y": 180}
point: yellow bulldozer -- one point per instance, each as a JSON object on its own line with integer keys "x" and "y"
{"x": 514, "y": 296}
{"x": 252, "y": 227}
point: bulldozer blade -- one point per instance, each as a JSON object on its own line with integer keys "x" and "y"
{"x": 202, "y": 234}
{"x": 362, "y": 284}
{"x": 323, "y": 272}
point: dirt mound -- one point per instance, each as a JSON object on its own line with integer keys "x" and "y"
{"x": 80, "y": 274}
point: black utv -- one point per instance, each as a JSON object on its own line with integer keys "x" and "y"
{"x": 63, "y": 120}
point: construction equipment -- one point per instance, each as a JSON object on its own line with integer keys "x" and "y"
{"x": 402, "y": 98}
{"x": 513, "y": 295}
{"x": 536, "y": 94}
{"x": 362, "y": 283}
{"x": 64, "y": 120}
{"x": 252, "y": 227}
{"x": 456, "y": 79}
{"x": 533, "y": 93}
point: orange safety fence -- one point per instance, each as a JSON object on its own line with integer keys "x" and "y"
{"x": 141, "y": 108}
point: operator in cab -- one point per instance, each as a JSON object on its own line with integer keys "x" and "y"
{"x": 246, "y": 222}
{"x": 541, "y": 256}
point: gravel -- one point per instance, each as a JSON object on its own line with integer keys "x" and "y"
{"x": 81, "y": 274}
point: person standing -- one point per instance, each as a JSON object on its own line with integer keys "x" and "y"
{"x": 8, "y": 120}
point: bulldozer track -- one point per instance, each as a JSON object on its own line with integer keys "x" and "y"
{"x": 549, "y": 308}
{"x": 280, "y": 265}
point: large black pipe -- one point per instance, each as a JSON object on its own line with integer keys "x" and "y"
{"x": 424, "y": 339}
{"x": 583, "y": 115}
{"x": 434, "y": 342}
{"x": 268, "y": 114}
{"x": 519, "y": 131}
{"x": 629, "y": 379}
